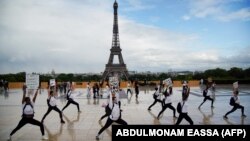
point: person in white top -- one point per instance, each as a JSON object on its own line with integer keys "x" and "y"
{"x": 236, "y": 105}
{"x": 51, "y": 101}
{"x": 207, "y": 96}
{"x": 117, "y": 95}
{"x": 107, "y": 108}
{"x": 28, "y": 114}
{"x": 167, "y": 102}
{"x": 115, "y": 115}
{"x": 71, "y": 100}
{"x": 184, "y": 112}
{"x": 157, "y": 98}
{"x": 107, "y": 90}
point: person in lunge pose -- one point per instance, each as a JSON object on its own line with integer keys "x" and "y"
{"x": 28, "y": 114}
{"x": 235, "y": 102}
{"x": 107, "y": 109}
{"x": 71, "y": 100}
{"x": 115, "y": 115}
{"x": 51, "y": 101}
{"x": 207, "y": 96}
{"x": 167, "y": 102}
{"x": 182, "y": 109}
{"x": 157, "y": 98}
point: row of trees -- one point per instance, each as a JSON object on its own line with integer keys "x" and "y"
{"x": 218, "y": 74}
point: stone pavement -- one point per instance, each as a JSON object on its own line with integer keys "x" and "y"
{"x": 85, "y": 125}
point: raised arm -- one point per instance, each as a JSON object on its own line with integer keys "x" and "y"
{"x": 24, "y": 94}
{"x": 110, "y": 101}
{"x": 34, "y": 98}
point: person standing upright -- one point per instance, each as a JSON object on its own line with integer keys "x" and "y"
{"x": 129, "y": 88}
{"x": 88, "y": 90}
{"x": 136, "y": 89}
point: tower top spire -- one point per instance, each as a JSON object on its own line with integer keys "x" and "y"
{"x": 115, "y": 5}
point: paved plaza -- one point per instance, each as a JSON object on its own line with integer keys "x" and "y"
{"x": 85, "y": 125}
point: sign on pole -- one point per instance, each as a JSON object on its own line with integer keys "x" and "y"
{"x": 235, "y": 85}
{"x": 114, "y": 81}
{"x": 32, "y": 81}
{"x": 168, "y": 81}
{"x": 52, "y": 82}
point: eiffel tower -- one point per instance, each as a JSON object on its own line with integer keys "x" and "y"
{"x": 112, "y": 69}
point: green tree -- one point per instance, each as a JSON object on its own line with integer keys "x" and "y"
{"x": 218, "y": 72}
{"x": 236, "y": 72}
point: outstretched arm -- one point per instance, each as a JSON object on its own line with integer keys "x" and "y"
{"x": 48, "y": 92}
{"x": 24, "y": 94}
{"x": 34, "y": 98}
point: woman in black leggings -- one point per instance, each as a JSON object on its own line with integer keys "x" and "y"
{"x": 28, "y": 114}
{"x": 51, "y": 101}
{"x": 71, "y": 101}
{"x": 115, "y": 115}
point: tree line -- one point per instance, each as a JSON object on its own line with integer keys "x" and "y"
{"x": 219, "y": 75}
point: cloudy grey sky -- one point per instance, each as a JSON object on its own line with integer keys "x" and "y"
{"x": 74, "y": 36}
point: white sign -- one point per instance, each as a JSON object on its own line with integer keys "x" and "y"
{"x": 235, "y": 85}
{"x": 168, "y": 82}
{"x": 114, "y": 81}
{"x": 32, "y": 81}
{"x": 52, "y": 82}
{"x": 209, "y": 79}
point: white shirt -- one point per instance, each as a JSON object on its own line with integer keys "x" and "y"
{"x": 168, "y": 99}
{"x": 88, "y": 89}
{"x": 115, "y": 114}
{"x": 52, "y": 101}
{"x": 209, "y": 92}
{"x": 157, "y": 93}
{"x": 107, "y": 89}
{"x": 184, "y": 107}
{"x": 237, "y": 100}
{"x": 128, "y": 86}
{"x": 117, "y": 95}
{"x": 70, "y": 94}
{"x": 28, "y": 109}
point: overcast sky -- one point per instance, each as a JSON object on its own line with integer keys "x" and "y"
{"x": 75, "y": 36}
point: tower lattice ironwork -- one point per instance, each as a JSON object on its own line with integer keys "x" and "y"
{"x": 119, "y": 69}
